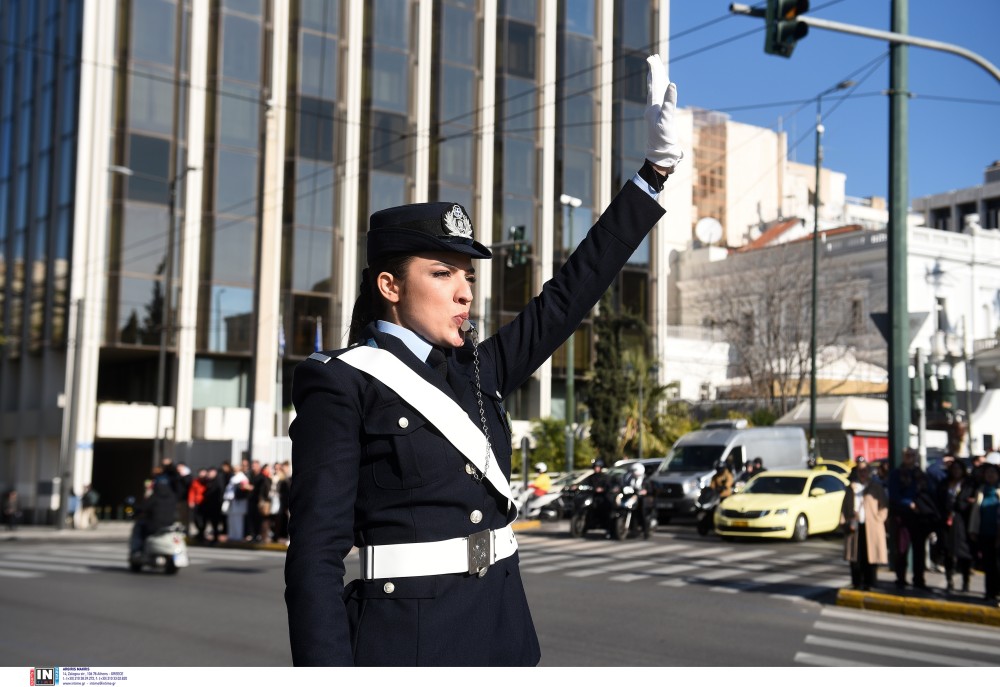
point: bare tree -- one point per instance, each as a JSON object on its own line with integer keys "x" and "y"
{"x": 763, "y": 305}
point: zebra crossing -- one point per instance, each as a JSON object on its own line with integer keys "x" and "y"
{"x": 844, "y": 637}
{"x": 29, "y": 562}
{"x": 780, "y": 571}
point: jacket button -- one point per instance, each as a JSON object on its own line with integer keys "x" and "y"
{"x": 404, "y": 423}
{"x": 469, "y": 469}
{"x": 476, "y": 516}
{"x": 388, "y": 588}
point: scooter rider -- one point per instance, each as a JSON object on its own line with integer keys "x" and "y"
{"x": 634, "y": 479}
{"x": 157, "y": 510}
{"x": 597, "y": 480}
{"x": 722, "y": 480}
{"x": 542, "y": 482}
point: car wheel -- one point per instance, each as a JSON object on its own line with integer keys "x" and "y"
{"x": 577, "y": 525}
{"x": 801, "y": 530}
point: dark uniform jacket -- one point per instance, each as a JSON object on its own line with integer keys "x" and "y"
{"x": 369, "y": 470}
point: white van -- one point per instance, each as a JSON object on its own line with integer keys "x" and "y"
{"x": 691, "y": 462}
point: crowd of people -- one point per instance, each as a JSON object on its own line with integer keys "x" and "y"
{"x": 248, "y": 502}
{"x": 901, "y": 517}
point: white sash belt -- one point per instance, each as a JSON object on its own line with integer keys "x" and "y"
{"x": 435, "y": 405}
{"x": 473, "y": 554}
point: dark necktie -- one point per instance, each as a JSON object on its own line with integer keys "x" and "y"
{"x": 438, "y": 362}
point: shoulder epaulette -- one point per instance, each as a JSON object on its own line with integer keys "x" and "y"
{"x": 321, "y": 357}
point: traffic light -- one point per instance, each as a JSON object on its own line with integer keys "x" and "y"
{"x": 782, "y": 28}
{"x": 517, "y": 255}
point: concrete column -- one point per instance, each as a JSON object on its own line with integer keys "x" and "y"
{"x": 543, "y": 268}
{"x": 660, "y": 245}
{"x": 486, "y": 142}
{"x": 190, "y": 244}
{"x": 349, "y": 219}
{"x": 269, "y": 279}
{"x": 90, "y": 233}
{"x": 606, "y": 76}
{"x": 422, "y": 91}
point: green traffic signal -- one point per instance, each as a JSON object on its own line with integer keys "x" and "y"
{"x": 518, "y": 253}
{"x": 782, "y": 29}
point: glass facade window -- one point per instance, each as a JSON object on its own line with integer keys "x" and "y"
{"x": 151, "y": 102}
{"x": 316, "y": 123}
{"x": 459, "y": 37}
{"x": 236, "y": 183}
{"x": 149, "y": 160}
{"x": 389, "y": 147}
{"x": 520, "y": 58}
{"x": 144, "y": 239}
{"x": 225, "y": 316}
{"x": 140, "y": 311}
{"x": 321, "y": 15}
{"x": 390, "y": 81}
{"x": 220, "y": 383}
{"x": 391, "y": 23}
{"x": 153, "y": 26}
{"x": 313, "y": 260}
{"x": 519, "y": 165}
{"x": 241, "y": 53}
{"x": 580, "y": 16}
{"x": 233, "y": 251}
{"x": 239, "y": 109}
{"x": 315, "y": 186}
{"x": 387, "y": 190}
{"x": 252, "y": 7}
{"x": 318, "y": 65}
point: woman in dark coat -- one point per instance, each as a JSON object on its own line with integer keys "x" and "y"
{"x": 956, "y": 495}
{"x": 402, "y": 447}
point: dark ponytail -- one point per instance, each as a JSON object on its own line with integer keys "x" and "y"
{"x": 370, "y": 306}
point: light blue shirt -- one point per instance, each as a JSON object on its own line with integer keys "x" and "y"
{"x": 417, "y": 346}
{"x": 641, "y": 183}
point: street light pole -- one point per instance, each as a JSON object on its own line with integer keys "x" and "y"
{"x": 572, "y": 203}
{"x": 815, "y": 265}
{"x": 166, "y": 325}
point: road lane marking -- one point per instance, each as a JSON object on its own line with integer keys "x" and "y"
{"x": 895, "y": 652}
{"x": 923, "y": 624}
{"x": 940, "y": 642}
{"x": 829, "y": 661}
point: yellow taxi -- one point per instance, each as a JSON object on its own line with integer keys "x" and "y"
{"x": 785, "y": 504}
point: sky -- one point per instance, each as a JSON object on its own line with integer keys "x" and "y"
{"x": 954, "y": 114}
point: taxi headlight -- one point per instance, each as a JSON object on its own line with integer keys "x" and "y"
{"x": 691, "y": 485}
{"x": 781, "y": 511}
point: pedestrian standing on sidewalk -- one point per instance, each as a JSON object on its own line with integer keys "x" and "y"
{"x": 196, "y": 503}
{"x": 956, "y": 496}
{"x": 402, "y": 446}
{"x": 983, "y": 529}
{"x": 863, "y": 517}
{"x": 11, "y": 510}
{"x": 908, "y": 495}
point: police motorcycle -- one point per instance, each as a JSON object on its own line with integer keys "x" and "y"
{"x": 704, "y": 509}
{"x": 164, "y": 549}
{"x": 589, "y": 510}
{"x": 627, "y": 511}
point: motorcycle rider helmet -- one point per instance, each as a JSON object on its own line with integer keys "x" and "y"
{"x": 638, "y": 469}
{"x": 597, "y": 463}
{"x": 541, "y": 467}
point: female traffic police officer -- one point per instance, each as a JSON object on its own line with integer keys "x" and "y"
{"x": 401, "y": 445}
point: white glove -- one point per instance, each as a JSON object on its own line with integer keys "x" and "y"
{"x": 662, "y": 148}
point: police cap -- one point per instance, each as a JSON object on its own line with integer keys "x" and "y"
{"x": 422, "y": 227}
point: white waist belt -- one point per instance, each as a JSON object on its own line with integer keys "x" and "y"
{"x": 472, "y": 554}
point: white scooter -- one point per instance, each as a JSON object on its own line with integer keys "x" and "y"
{"x": 166, "y": 548}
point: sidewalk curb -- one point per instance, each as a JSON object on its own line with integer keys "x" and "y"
{"x": 924, "y": 608}
{"x": 272, "y": 546}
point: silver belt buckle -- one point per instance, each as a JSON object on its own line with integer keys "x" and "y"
{"x": 480, "y": 552}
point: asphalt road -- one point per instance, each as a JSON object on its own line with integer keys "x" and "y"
{"x": 676, "y": 600}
